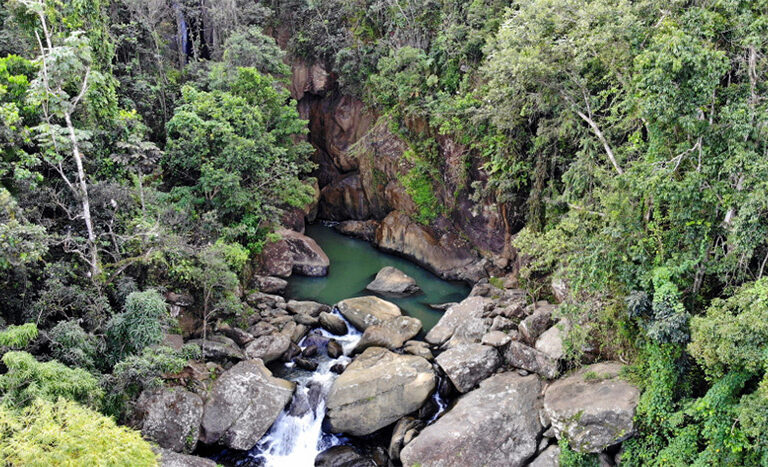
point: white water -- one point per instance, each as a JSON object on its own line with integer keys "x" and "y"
{"x": 297, "y": 436}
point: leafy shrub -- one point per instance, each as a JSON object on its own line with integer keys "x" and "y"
{"x": 28, "y": 379}
{"x": 18, "y": 337}
{"x": 571, "y": 458}
{"x": 139, "y": 326}
{"x": 65, "y": 433}
{"x": 418, "y": 185}
{"x": 73, "y": 346}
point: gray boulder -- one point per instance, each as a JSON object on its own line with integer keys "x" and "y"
{"x": 391, "y": 280}
{"x": 464, "y": 323}
{"x": 419, "y": 348}
{"x": 268, "y": 348}
{"x": 403, "y": 433}
{"x": 376, "y": 390}
{"x": 519, "y": 355}
{"x": 333, "y": 324}
{"x": 551, "y": 341}
{"x": 593, "y": 408}
{"x": 496, "y": 339}
{"x": 171, "y": 418}
{"x": 306, "y": 307}
{"x": 294, "y": 252}
{"x": 495, "y": 425}
{"x": 367, "y": 311}
{"x": 550, "y": 457}
{"x": 392, "y": 333}
{"x": 174, "y": 459}
{"x": 534, "y": 325}
{"x": 269, "y": 284}
{"x": 243, "y": 403}
{"x": 466, "y": 365}
{"x": 219, "y": 348}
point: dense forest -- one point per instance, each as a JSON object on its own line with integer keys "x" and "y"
{"x": 149, "y": 147}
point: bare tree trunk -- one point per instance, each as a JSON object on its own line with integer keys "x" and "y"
{"x": 602, "y": 139}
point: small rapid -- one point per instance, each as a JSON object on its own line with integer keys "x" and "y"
{"x": 297, "y": 436}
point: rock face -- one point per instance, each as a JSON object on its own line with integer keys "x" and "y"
{"x": 464, "y": 323}
{"x": 242, "y": 405}
{"x": 390, "y": 280}
{"x": 593, "y": 408}
{"x": 294, "y": 253}
{"x": 171, "y": 418}
{"x": 367, "y": 311}
{"x": 447, "y": 255}
{"x": 466, "y": 365}
{"x": 392, "y": 333}
{"x": 519, "y": 355}
{"x": 344, "y": 199}
{"x": 494, "y": 425}
{"x": 376, "y": 390}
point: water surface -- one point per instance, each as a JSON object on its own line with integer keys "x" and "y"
{"x": 354, "y": 264}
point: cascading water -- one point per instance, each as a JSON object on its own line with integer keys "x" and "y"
{"x": 297, "y": 436}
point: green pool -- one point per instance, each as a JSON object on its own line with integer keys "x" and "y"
{"x": 354, "y": 263}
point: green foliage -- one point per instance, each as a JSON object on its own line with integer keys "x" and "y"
{"x": 71, "y": 345}
{"x": 571, "y": 458}
{"x": 28, "y": 379}
{"x": 65, "y": 433}
{"x": 140, "y": 324}
{"x": 419, "y": 187}
{"x": 18, "y": 337}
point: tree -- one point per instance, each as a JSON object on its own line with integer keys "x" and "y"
{"x": 140, "y": 324}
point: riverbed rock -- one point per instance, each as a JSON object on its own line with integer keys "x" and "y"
{"x": 444, "y": 254}
{"x": 243, "y": 403}
{"x": 466, "y": 365}
{"x": 268, "y": 348}
{"x": 333, "y": 324}
{"x": 306, "y": 307}
{"x": 534, "y": 325}
{"x": 335, "y": 350}
{"x": 403, "y": 433}
{"x": 495, "y": 425}
{"x": 293, "y": 253}
{"x": 239, "y": 336}
{"x": 219, "y": 348}
{"x": 269, "y": 284}
{"x": 549, "y": 457}
{"x": 391, "y": 280}
{"x": 367, "y": 311}
{"x": 171, "y": 418}
{"x": 174, "y": 459}
{"x": 364, "y": 230}
{"x": 519, "y": 355}
{"x": 342, "y": 456}
{"x": 593, "y": 408}
{"x": 391, "y": 334}
{"x": 419, "y": 348}
{"x": 377, "y": 389}
{"x": 464, "y": 323}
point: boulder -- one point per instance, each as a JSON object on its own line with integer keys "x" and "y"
{"x": 171, "y": 418}
{"x": 219, "y": 348}
{"x": 238, "y": 336}
{"x": 419, "y": 348}
{"x": 364, "y": 230}
{"x": 174, "y": 459}
{"x": 495, "y": 425}
{"x": 306, "y": 307}
{"x": 551, "y": 341}
{"x": 550, "y": 457}
{"x": 294, "y": 253}
{"x": 243, "y": 403}
{"x": 534, "y": 325}
{"x": 519, "y": 355}
{"x": 390, "y": 280}
{"x": 593, "y": 408}
{"x": 269, "y": 284}
{"x": 464, "y": 323}
{"x": 367, "y": 311}
{"x": 466, "y": 365}
{"x": 496, "y": 339}
{"x": 392, "y": 333}
{"x": 342, "y": 456}
{"x": 377, "y": 389}
{"x": 335, "y": 350}
{"x": 333, "y": 324}
{"x": 268, "y": 348}
{"x": 403, "y": 433}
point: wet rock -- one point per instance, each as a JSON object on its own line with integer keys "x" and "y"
{"x": 306, "y": 307}
{"x": 391, "y": 334}
{"x": 219, "y": 348}
{"x": 593, "y": 408}
{"x": 171, "y": 418}
{"x": 293, "y": 253}
{"x": 268, "y": 348}
{"x": 335, "y": 350}
{"x": 338, "y": 368}
{"x": 519, "y": 355}
{"x": 174, "y": 459}
{"x": 305, "y": 364}
{"x": 293, "y": 351}
{"x": 534, "y": 325}
{"x": 442, "y": 306}
{"x": 377, "y": 389}
{"x": 269, "y": 284}
{"x": 367, "y": 311}
{"x": 466, "y": 365}
{"x": 390, "y": 280}
{"x": 306, "y": 320}
{"x": 551, "y": 341}
{"x": 462, "y": 324}
{"x": 549, "y": 457}
{"x": 243, "y": 403}
{"x": 404, "y": 431}
{"x": 496, "y": 424}
{"x": 342, "y": 456}
{"x": 309, "y": 351}
{"x": 318, "y": 340}
{"x": 333, "y": 324}
{"x": 364, "y": 230}
{"x": 496, "y": 339}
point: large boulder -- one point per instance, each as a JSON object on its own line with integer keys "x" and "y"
{"x": 269, "y": 284}
{"x": 364, "y": 230}
{"x": 306, "y": 307}
{"x": 294, "y": 253}
{"x": 391, "y": 280}
{"x": 551, "y": 341}
{"x": 376, "y": 390}
{"x": 171, "y": 418}
{"x": 219, "y": 348}
{"x": 392, "y": 333}
{"x": 466, "y": 365}
{"x": 268, "y": 348}
{"x": 446, "y": 255}
{"x": 593, "y": 408}
{"x": 495, "y": 425}
{"x": 243, "y": 403}
{"x": 534, "y": 325}
{"x": 333, "y": 323}
{"x": 367, "y": 311}
{"x": 174, "y": 459}
{"x": 464, "y": 323}
{"x": 549, "y": 457}
{"x": 519, "y": 355}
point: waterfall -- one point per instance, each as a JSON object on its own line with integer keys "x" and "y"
{"x": 297, "y": 436}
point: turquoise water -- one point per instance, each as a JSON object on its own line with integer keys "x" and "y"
{"x": 354, "y": 264}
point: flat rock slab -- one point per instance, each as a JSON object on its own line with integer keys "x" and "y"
{"x": 243, "y": 403}
{"x": 593, "y": 408}
{"x": 494, "y": 425}
{"x": 367, "y": 311}
{"x": 391, "y": 280}
{"x": 467, "y": 365}
{"x": 376, "y": 390}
